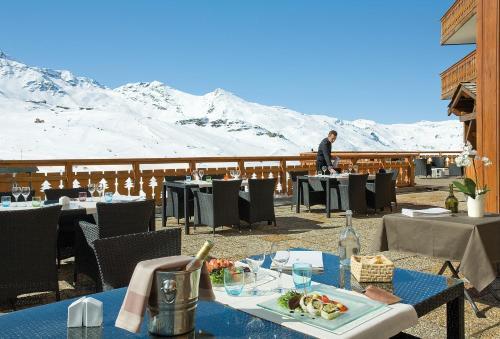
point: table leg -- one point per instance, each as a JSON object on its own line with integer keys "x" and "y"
{"x": 164, "y": 207}
{"x": 328, "y": 198}
{"x": 299, "y": 195}
{"x": 186, "y": 210}
{"x": 455, "y": 318}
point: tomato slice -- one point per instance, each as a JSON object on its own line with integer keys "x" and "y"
{"x": 343, "y": 308}
{"x": 325, "y": 299}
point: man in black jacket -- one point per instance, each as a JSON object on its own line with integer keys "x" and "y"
{"x": 323, "y": 157}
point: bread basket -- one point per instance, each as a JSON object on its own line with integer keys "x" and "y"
{"x": 375, "y": 268}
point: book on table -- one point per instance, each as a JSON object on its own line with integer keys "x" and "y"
{"x": 427, "y": 212}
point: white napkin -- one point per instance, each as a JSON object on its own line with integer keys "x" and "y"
{"x": 86, "y": 312}
{"x": 127, "y": 198}
{"x": 315, "y": 258}
{"x": 428, "y": 212}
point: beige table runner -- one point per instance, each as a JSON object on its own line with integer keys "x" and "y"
{"x": 383, "y": 323}
{"x": 475, "y": 242}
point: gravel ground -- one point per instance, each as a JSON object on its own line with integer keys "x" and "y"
{"x": 313, "y": 230}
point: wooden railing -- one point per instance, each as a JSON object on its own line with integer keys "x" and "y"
{"x": 136, "y": 176}
{"x": 456, "y": 16}
{"x": 463, "y": 71}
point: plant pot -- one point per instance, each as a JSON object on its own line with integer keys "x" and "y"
{"x": 475, "y": 207}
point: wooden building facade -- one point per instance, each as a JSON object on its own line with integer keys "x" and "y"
{"x": 473, "y": 84}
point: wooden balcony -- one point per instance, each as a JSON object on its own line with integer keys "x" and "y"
{"x": 145, "y": 176}
{"x": 458, "y": 24}
{"x": 463, "y": 71}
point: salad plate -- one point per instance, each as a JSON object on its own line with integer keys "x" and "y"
{"x": 325, "y": 307}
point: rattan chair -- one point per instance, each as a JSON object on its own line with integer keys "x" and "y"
{"x": 350, "y": 194}
{"x": 28, "y": 252}
{"x": 118, "y": 256}
{"x": 113, "y": 219}
{"x": 20, "y": 198}
{"x": 395, "y": 174}
{"x": 219, "y": 208}
{"x": 56, "y": 193}
{"x": 438, "y": 162}
{"x": 258, "y": 203}
{"x": 66, "y": 234}
{"x": 175, "y": 200}
{"x": 455, "y": 171}
{"x": 313, "y": 193}
{"x": 379, "y": 193}
{"x": 293, "y": 178}
{"x": 422, "y": 169}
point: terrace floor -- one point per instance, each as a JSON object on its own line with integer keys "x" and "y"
{"x": 313, "y": 230}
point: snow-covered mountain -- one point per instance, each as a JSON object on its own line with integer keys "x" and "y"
{"x": 54, "y": 114}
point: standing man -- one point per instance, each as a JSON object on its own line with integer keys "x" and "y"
{"x": 323, "y": 157}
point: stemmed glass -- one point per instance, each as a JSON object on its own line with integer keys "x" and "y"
{"x": 100, "y": 189}
{"x": 16, "y": 192}
{"x": 91, "y": 188}
{"x": 279, "y": 256}
{"x": 201, "y": 173}
{"x": 324, "y": 168}
{"x": 25, "y": 191}
{"x": 254, "y": 264}
{"x": 232, "y": 174}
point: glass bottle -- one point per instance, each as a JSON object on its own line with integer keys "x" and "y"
{"x": 451, "y": 202}
{"x": 348, "y": 241}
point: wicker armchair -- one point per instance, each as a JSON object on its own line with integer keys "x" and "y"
{"x": 118, "y": 256}
{"x": 175, "y": 200}
{"x": 350, "y": 194}
{"x": 295, "y": 197}
{"x": 379, "y": 193}
{"x": 422, "y": 169}
{"x": 113, "y": 219}
{"x": 56, "y": 193}
{"x": 395, "y": 174}
{"x": 220, "y": 207}
{"x": 28, "y": 252}
{"x": 455, "y": 171}
{"x": 258, "y": 203}
{"x": 438, "y": 162}
{"x": 313, "y": 193}
{"x": 66, "y": 233}
{"x": 20, "y": 198}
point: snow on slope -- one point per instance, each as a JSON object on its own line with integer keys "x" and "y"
{"x": 55, "y": 114}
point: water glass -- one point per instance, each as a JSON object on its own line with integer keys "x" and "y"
{"x": 254, "y": 264}
{"x": 279, "y": 255}
{"x": 36, "y": 202}
{"x": 319, "y": 173}
{"x": 6, "y": 201}
{"x": 208, "y": 178}
{"x": 108, "y": 196}
{"x": 234, "y": 280}
{"x": 188, "y": 178}
{"x": 301, "y": 273}
{"x": 82, "y": 196}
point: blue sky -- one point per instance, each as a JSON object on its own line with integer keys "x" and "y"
{"x": 377, "y": 60}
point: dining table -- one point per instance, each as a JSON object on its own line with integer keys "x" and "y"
{"x": 422, "y": 291}
{"x": 330, "y": 182}
{"x": 186, "y": 186}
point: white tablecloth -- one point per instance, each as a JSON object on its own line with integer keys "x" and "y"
{"x": 383, "y": 323}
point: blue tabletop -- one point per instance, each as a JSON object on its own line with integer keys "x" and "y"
{"x": 212, "y": 319}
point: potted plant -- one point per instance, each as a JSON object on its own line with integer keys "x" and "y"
{"x": 473, "y": 189}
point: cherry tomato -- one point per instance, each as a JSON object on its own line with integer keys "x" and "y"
{"x": 325, "y": 299}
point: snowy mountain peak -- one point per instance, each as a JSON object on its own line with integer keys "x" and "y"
{"x": 61, "y": 112}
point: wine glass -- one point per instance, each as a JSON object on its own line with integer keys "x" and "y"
{"x": 279, "y": 255}
{"x": 231, "y": 173}
{"x": 16, "y": 192}
{"x": 201, "y": 173}
{"x": 324, "y": 168}
{"x": 100, "y": 189}
{"x": 25, "y": 192}
{"x": 91, "y": 188}
{"x": 254, "y": 263}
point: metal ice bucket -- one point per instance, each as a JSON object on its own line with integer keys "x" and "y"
{"x": 173, "y": 301}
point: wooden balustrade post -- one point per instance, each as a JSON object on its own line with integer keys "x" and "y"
{"x": 411, "y": 170}
{"x": 136, "y": 169}
{"x": 192, "y": 166}
{"x": 241, "y": 166}
{"x": 68, "y": 174}
{"x": 282, "y": 172}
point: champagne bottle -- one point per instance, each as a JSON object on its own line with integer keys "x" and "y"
{"x": 198, "y": 260}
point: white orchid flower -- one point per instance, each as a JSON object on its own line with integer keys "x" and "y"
{"x": 486, "y": 161}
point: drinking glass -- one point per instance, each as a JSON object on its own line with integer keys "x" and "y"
{"x": 82, "y": 196}
{"x": 6, "y": 200}
{"x": 108, "y": 196}
{"x": 279, "y": 255}
{"x": 91, "y": 189}
{"x": 25, "y": 192}
{"x": 234, "y": 280}
{"x": 237, "y": 173}
{"x": 201, "y": 173}
{"x": 231, "y": 173}
{"x": 208, "y": 178}
{"x": 100, "y": 189}
{"x": 254, "y": 264}
{"x": 324, "y": 168}
{"x": 16, "y": 192}
{"x": 301, "y": 273}
{"x": 188, "y": 178}
{"x": 319, "y": 173}
{"x": 36, "y": 201}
